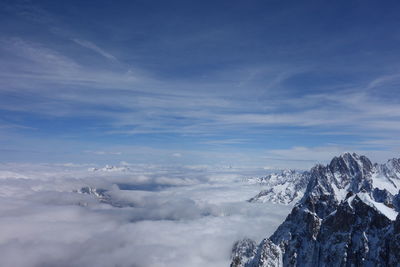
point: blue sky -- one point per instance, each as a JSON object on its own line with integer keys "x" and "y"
{"x": 260, "y": 83}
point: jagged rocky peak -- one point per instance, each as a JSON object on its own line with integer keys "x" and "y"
{"x": 349, "y": 168}
{"x": 348, "y": 216}
{"x": 346, "y": 173}
{"x": 351, "y": 164}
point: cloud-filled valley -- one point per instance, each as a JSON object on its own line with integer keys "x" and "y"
{"x": 190, "y": 218}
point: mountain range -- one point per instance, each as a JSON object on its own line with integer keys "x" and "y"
{"x": 347, "y": 216}
{"x": 284, "y": 187}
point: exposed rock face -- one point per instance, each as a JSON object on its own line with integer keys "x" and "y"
{"x": 347, "y": 217}
{"x": 285, "y": 187}
{"x": 242, "y": 251}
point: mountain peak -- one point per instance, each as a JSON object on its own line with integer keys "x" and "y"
{"x": 347, "y": 216}
{"x": 351, "y": 171}
{"x": 349, "y": 154}
{"x": 351, "y": 159}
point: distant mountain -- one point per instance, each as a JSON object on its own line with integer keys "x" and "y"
{"x": 99, "y": 194}
{"x": 110, "y": 168}
{"x": 284, "y": 187}
{"x": 102, "y": 196}
{"x": 348, "y": 216}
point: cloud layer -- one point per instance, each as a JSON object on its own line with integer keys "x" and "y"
{"x": 173, "y": 221}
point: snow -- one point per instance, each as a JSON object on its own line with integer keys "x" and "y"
{"x": 110, "y": 168}
{"x": 350, "y": 200}
{"x": 382, "y": 182}
{"x": 356, "y": 178}
{"x": 339, "y": 193}
{"x": 284, "y": 188}
{"x": 382, "y": 208}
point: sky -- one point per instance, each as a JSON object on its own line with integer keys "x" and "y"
{"x": 266, "y": 84}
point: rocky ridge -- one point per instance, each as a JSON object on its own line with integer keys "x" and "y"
{"x": 348, "y": 216}
{"x": 284, "y": 187}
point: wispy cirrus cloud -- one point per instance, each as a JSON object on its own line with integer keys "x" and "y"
{"x": 211, "y": 98}
{"x": 140, "y": 104}
{"x": 94, "y": 48}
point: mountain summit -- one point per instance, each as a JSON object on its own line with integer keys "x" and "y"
{"x": 347, "y": 217}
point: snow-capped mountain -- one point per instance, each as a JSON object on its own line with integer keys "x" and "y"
{"x": 110, "y": 168}
{"x": 102, "y": 196}
{"x": 284, "y": 187}
{"x": 348, "y": 216}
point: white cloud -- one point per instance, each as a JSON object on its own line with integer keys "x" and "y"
{"x": 152, "y": 105}
{"x": 126, "y": 102}
{"x": 181, "y": 224}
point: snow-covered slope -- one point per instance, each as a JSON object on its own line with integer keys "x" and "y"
{"x": 348, "y": 216}
{"x": 284, "y": 187}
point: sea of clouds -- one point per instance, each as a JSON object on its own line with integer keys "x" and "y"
{"x": 166, "y": 216}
